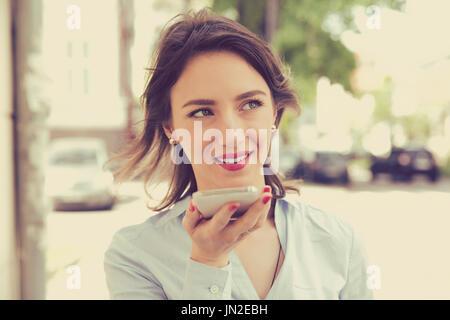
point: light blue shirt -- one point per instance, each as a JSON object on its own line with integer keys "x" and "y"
{"x": 324, "y": 259}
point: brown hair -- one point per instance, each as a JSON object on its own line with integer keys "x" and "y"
{"x": 195, "y": 33}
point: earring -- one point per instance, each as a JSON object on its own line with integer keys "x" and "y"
{"x": 274, "y": 127}
{"x": 172, "y": 141}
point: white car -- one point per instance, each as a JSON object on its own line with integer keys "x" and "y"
{"x": 75, "y": 178}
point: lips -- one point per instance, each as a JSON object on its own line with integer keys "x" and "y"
{"x": 234, "y": 164}
{"x": 233, "y": 157}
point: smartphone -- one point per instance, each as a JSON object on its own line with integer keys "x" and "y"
{"x": 210, "y": 201}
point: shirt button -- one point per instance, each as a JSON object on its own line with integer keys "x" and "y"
{"x": 214, "y": 289}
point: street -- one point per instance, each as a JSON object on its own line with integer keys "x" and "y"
{"x": 404, "y": 228}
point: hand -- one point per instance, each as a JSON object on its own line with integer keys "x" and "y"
{"x": 213, "y": 239}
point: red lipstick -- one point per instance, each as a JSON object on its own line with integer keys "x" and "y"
{"x": 235, "y": 165}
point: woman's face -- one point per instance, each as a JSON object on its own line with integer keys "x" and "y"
{"x": 208, "y": 105}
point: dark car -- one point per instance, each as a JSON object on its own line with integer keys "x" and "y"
{"x": 404, "y": 163}
{"x": 327, "y": 167}
{"x": 300, "y": 171}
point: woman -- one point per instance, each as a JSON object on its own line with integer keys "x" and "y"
{"x": 211, "y": 73}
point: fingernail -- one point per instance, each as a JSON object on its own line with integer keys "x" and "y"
{"x": 267, "y": 189}
{"x": 234, "y": 207}
{"x": 266, "y": 199}
{"x": 191, "y": 206}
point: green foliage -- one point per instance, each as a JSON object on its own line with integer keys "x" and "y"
{"x": 251, "y": 13}
{"x": 445, "y": 170}
{"x": 416, "y": 126}
{"x": 383, "y": 102}
{"x": 302, "y": 39}
{"x": 309, "y": 46}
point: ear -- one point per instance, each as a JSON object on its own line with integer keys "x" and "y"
{"x": 167, "y": 129}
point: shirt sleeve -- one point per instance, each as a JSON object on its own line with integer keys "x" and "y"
{"x": 203, "y": 282}
{"x": 124, "y": 274}
{"x": 128, "y": 279}
{"x": 356, "y": 286}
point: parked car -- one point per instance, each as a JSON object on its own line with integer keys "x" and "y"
{"x": 403, "y": 164}
{"x": 75, "y": 178}
{"x": 330, "y": 167}
{"x": 299, "y": 171}
{"x": 327, "y": 167}
{"x": 288, "y": 160}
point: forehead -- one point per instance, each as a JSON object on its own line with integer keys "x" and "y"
{"x": 214, "y": 75}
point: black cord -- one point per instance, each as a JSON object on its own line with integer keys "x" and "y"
{"x": 276, "y": 268}
{"x": 272, "y": 207}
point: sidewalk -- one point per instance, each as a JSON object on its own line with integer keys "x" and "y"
{"x": 81, "y": 238}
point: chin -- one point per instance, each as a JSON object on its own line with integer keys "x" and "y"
{"x": 241, "y": 177}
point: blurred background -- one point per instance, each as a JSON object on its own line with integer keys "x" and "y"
{"x": 372, "y": 144}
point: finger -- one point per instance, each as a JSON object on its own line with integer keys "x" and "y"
{"x": 249, "y": 219}
{"x": 262, "y": 219}
{"x": 267, "y": 191}
{"x": 259, "y": 220}
{"x": 221, "y": 219}
{"x": 258, "y": 217}
{"x": 191, "y": 218}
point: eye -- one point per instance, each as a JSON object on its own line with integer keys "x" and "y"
{"x": 201, "y": 112}
{"x": 255, "y": 103}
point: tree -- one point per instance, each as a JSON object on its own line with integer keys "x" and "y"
{"x": 305, "y": 38}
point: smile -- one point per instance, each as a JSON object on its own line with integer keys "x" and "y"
{"x": 235, "y": 160}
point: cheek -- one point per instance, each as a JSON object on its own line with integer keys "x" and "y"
{"x": 263, "y": 128}
{"x": 264, "y": 139}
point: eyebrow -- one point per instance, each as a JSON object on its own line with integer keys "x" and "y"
{"x": 209, "y": 102}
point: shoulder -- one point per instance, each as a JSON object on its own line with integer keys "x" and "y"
{"x": 162, "y": 228}
{"x": 125, "y": 239}
{"x": 317, "y": 223}
{"x": 133, "y": 234}
{"x": 153, "y": 225}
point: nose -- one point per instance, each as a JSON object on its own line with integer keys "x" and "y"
{"x": 229, "y": 118}
{"x": 232, "y": 127}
